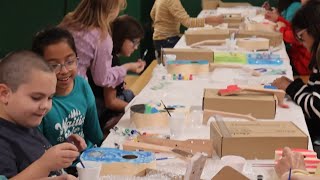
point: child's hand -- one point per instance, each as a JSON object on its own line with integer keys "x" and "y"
{"x": 135, "y": 67}
{"x": 59, "y": 156}
{"x": 271, "y": 16}
{"x": 214, "y": 19}
{"x": 141, "y": 66}
{"x": 281, "y": 83}
{"x": 266, "y": 5}
{"x": 78, "y": 141}
{"x": 62, "y": 177}
{"x": 289, "y": 160}
{"x": 280, "y": 25}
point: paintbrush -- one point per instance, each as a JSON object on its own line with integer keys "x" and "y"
{"x": 69, "y": 141}
{"x": 166, "y": 108}
{"x": 144, "y": 54}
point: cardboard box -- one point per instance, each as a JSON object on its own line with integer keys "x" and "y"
{"x": 197, "y": 35}
{"x": 233, "y": 20}
{"x": 210, "y": 4}
{"x": 190, "y": 54}
{"x": 233, "y": 4}
{"x": 257, "y": 104}
{"x": 264, "y": 27}
{"x": 187, "y": 67}
{"x": 253, "y": 43}
{"x": 257, "y": 139}
{"x": 274, "y": 37}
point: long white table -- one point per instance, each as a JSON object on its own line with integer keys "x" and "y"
{"x": 190, "y": 94}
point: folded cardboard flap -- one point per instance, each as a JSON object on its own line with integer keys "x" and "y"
{"x": 228, "y": 172}
{"x": 258, "y": 139}
{"x": 197, "y": 35}
{"x": 257, "y": 104}
{"x": 190, "y": 54}
{"x": 274, "y": 37}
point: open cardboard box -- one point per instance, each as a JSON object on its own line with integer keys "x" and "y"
{"x": 197, "y": 35}
{"x": 257, "y": 104}
{"x": 189, "y": 61}
{"x": 257, "y": 139}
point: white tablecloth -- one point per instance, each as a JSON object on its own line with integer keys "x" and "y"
{"x": 190, "y": 94}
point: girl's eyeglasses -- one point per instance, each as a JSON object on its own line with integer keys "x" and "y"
{"x": 70, "y": 64}
{"x": 300, "y": 35}
{"x": 135, "y": 42}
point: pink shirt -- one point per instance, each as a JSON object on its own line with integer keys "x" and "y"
{"x": 95, "y": 53}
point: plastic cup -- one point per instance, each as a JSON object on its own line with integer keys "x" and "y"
{"x": 176, "y": 123}
{"x": 196, "y": 118}
{"x": 236, "y": 162}
{"x": 91, "y": 170}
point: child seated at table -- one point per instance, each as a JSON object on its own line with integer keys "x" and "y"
{"x": 27, "y": 84}
{"x": 306, "y": 27}
{"x": 73, "y": 104}
{"x": 298, "y": 54}
{"x": 111, "y": 101}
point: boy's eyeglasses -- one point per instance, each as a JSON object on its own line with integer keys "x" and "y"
{"x": 299, "y": 35}
{"x": 135, "y": 43}
{"x": 70, "y": 64}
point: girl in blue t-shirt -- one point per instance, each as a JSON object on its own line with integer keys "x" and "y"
{"x": 73, "y": 107}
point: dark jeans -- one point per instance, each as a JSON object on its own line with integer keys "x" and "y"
{"x": 106, "y": 114}
{"x": 166, "y": 43}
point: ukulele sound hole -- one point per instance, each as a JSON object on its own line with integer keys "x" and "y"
{"x": 129, "y": 157}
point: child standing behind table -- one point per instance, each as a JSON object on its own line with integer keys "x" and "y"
{"x": 167, "y": 15}
{"x": 90, "y": 25}
{"x": 111, "y": 102}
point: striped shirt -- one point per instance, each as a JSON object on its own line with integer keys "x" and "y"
{"x": 307, "y": 96}
{"x": 167, "y": 15}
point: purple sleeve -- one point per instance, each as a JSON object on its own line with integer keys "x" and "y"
{"x": 95, "y": 53}
{"x": 102, "y": 72}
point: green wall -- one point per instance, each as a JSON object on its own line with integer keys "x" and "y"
{"x": 20, "y": 20}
